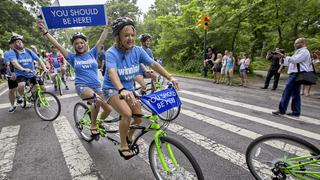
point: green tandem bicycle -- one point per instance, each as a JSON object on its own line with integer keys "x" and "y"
{"x": 283, "y": 157}
{"x": 168, "y": 158}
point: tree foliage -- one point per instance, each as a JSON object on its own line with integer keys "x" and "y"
{"x": 14, "y": 17}
{"x": 252, "y": 26}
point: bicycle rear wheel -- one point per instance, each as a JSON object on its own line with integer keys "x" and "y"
{"x": 269, "y": 157}
{"x": 47, "y": 106}
{"x": 186, "y": 166}
{"x": 82, "y": 121}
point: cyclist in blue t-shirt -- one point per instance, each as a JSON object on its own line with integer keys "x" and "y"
{"x": 144, "y": 72}
{"x": 12, "y": 83}
{"x": 23, "y": 61}
{"x": 123, "y": 62}
{"x": 84, "y": 62}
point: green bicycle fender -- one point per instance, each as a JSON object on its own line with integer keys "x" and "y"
{"x": 156, "y": 140}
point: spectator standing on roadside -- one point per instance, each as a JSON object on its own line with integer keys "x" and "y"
{"x": 275, "y": 58}
{"x": 244, "y": 69}
{"x": 230, "y": 63}
{"x": 307, "y": 88}
{"x": 223, "y": 67}
{"x": 217, "y": 64}
{"x": 207, "y": 63}
{"x": 292, "y": 88}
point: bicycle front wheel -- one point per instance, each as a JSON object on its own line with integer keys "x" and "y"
{"x": 180, "y": 162}
{"x": 58, "y": 80}
{"x": 273, "y": 156}
{"x": 47, "y": 106}
{"x": 82, "y": 120}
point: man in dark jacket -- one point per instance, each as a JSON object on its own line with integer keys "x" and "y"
{"x": 275, "y": 58}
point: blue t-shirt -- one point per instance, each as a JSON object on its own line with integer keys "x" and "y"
{"x": 127, "y": 65}
{"x": 56, "y": 63}
{"x": 149, "y": 52}
{"x": 25, "y": 59}
{"x": 229, "y": 63}
{"x": 85, "y": 67}
{"x": 6, "y": 57}
{"x": 7, "y": 54}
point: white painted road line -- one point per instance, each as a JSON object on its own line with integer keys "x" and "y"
{"x": 222, "y": 151}
{"x": 8, "y": 144}
{"x": 256, "y": 119}
{"x": 77, "y": 158}
{"x": 249, "y": 106}
{"x": 243, "y": 132}
{"x": 4, "y": 92}
{"x": 7, "y": 105}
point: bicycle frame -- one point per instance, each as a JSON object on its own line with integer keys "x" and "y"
{"x": 295, "y": 163}
{"x": 154, "y": 126}
{"x": 38, "y": 93}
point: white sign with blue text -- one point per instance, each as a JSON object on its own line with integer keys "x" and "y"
{"x": 162, "y": 101}
{"x": 74, "y": 16}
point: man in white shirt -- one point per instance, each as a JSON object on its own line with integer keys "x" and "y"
{"x": 292, "y": 89}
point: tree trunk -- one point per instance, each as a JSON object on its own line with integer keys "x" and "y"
{"x": 278, "y": 25}
{"x": 234, "y": 37}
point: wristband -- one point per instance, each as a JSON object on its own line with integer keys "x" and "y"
{"x": 120, "y": 90}
{"x": 45, "y": 33}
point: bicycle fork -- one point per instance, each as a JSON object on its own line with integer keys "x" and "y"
{"x": 157, "y": 136}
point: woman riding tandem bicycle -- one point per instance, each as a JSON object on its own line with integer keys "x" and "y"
{"x": 123, "y": 61}
{"x": 85, "y": 65}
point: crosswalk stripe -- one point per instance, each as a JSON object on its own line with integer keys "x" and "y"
{"x": 256, "y": 119}
{"x": 8, "y": 144}
{"x": 7, "y": 105}
{"x": 240, "y": 131}
{"x": 77, "y": 158}
{"x": 249, "y": 106}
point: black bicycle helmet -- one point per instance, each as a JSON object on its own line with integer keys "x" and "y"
{"x": 119, "y": 23}
{"x": 144, "y": 37}
{"x": 78, "y": 35}
{"x": 14, "y": 38}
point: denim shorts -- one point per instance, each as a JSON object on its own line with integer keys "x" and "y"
{"x": 80, "y": 88}
{"x": 108, "y": 93}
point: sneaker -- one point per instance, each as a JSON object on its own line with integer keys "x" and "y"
{"x": 278, "y": 113}
{"x": 273, "y": 89}
{"x": 12, "y": 109}
{"x": 20, "y": 100}
{"x": 67, "y": 88}
{"x": 264, "y": 88}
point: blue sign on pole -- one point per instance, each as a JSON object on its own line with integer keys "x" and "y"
{"x": 161, "y": 101}
{"x": 74, "y": 16}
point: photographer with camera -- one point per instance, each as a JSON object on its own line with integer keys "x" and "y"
{"x": 208, "y": 62}
{"x": 275, "y": 58}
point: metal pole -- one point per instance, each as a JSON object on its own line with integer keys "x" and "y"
{"x": 205, "y": 44}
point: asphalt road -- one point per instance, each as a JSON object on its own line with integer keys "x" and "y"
{"x": 216, "y": 124}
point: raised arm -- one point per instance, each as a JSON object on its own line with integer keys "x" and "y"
{"x": 45, "y": 32}
{"x": 104, "y": 34}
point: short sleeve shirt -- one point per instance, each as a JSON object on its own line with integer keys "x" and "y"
{"x": 127, "y": 65}
{"x": 85, "y": 67}
{"x": 25, "y": 60}
{"x": 56, "y": 63}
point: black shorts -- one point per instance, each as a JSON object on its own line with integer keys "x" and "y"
{"x": 12, "y": 84}
{"x": 32, "y": 80}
